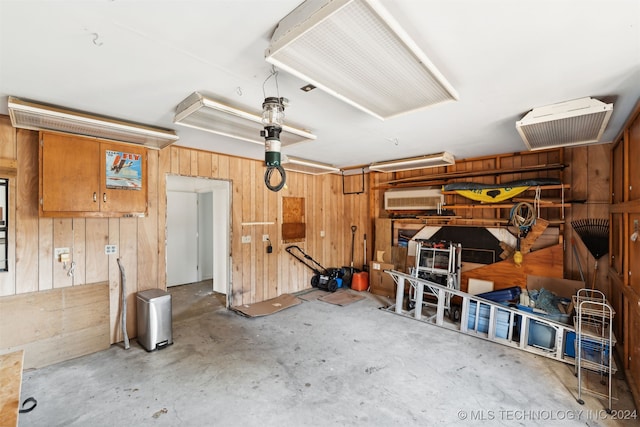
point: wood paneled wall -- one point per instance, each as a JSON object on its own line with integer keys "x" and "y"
{"x": 624, "y": 253}
{"x": 586, "y": 173}
{"x": 255, "y": 275}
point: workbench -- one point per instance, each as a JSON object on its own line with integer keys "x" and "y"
{"x": 10, "y": 385}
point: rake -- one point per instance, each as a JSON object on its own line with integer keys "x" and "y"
{"x": 594, "y": 233}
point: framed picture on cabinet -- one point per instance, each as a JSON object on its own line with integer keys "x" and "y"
{"x": 124, "y": 170}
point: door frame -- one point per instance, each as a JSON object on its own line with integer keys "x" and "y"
{"x": 222, "y": 195}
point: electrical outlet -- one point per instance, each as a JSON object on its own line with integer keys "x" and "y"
{"x": 265, "y": 237}
{"x": 110, "y": 249}
{"x": 322, "y": 233}
{"x": 246, "y": 239}
{"x": 61, "y": 254}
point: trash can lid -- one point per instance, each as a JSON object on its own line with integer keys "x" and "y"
{"x": 150, "y": 294}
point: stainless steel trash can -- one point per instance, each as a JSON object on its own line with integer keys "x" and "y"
{"x": 154, "y": 319}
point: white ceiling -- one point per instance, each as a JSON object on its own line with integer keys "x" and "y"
{"x": 137, "y": 60}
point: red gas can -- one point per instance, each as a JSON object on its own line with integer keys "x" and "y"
{"x": 360, "y": 281}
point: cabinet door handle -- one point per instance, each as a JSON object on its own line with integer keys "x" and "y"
{"x": 104, "y": 197}
{"x": 95, "y": 197}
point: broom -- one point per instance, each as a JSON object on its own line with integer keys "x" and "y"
{"x": 594, "y": 233}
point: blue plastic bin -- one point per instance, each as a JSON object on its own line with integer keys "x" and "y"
{"x": 502, "y": 320}
{"x": 502, "y": 295}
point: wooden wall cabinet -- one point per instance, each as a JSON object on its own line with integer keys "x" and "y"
{"x": 88, "y": 177}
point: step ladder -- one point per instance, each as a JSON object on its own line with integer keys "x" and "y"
{"x": 485, "y": 319}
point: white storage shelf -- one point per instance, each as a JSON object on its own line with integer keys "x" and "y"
{"x": 594, "y": 339}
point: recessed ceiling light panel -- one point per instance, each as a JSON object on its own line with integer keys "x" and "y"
{"x": 356, "y": 51}
{"x": 200, "y": 112}
{"x": 410, "y": 163}
{"x": 577, "y": 122}
{"x": 37, "y": 116}
{"x": 310, "y": 167}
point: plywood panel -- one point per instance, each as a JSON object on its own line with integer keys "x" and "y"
{"x": 235, "y": 174}
{"x": 617, "y": 172}
{"x": 223, "y": 167}
{"x": 215, "y": 168}
{"x": 70, "y": 345}
{"x": 147, "y": 250}
{"x": 504, "y": 274}
{"x": 259, "y": 206}
{"x": 194, "y": 164}
{"x": 175, "y": 160}
{"x": 250, "y": 287}
{"x": 7, "y": 139}
{"x": 129, "y": 258}
{"x": 164, "y": 167}
{"x": 97, "y": 262}
{"x": 115, "y": 286}
{"x": 27, "y": 317}
{"x": 55, "y": 325}
{"x": 616, "y": 250}
{"x": 45, "y": 254}
{"x": 185, "y": 162}
{"x": 598, "y": 173}
{"x": 78, "y": 252}
{"x": 272, "y": 259}
{"x": 204, "y": 164}
{"x": 26, "y": 217}
{"x": 62, "y": 238}
{"x": 249, "y": 251}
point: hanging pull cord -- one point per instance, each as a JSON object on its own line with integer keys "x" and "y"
{"x": 267, "y": 178}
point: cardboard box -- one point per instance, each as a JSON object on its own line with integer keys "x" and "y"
{"x": 381, "y": 283}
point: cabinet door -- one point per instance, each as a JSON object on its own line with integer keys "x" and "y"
{"x": 123, "y": 178}
{"x": 68, "y": 174}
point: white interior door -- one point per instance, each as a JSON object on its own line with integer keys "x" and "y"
{"x": 182, "y": 238}
{"x": 205, "y": 236}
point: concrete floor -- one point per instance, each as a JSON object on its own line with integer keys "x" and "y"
{"x": 315, "y": 364}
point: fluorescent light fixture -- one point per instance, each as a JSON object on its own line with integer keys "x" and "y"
{"x": 355, "y": 170}
{"x": 578, "y": 122}
{"x": 420, "y": 162}
{"x": 200, "y": 112}
{"x": 36, "y": 116}
{"x": 310, "y": 167}
{"x": 357, "y": 52}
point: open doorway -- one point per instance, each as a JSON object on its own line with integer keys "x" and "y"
{"x": 198, "y": 232}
